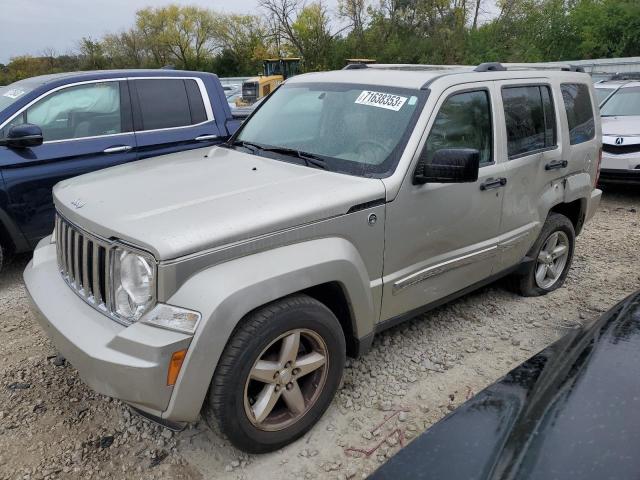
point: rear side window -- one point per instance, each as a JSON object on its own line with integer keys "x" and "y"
{"x": 169, "y": 103}
{"x": 196, "y": 104}
{"x": 577, "y": 103}
{"x": 529, "y": 118}
{"x": 464, "y": 121}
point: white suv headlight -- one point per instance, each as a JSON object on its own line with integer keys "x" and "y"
{"x": 133, "y": 283}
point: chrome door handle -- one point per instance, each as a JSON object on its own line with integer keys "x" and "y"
{"x": 556, "y": 165}
{"x": 204, "y": 138}
{"x": 119, "y": 149}
{"x": 493, "y": 183}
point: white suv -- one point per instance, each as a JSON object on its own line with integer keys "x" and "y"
{"x": 620, "y": 113}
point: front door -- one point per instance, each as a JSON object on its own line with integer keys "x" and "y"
{"x": 441, "y": 238}
{"x": 86, "y": 127}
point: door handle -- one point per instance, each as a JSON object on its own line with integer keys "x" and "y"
{"x": 119, "y": 149}
{"x": 204, "y": 138}
{"x": 556, "y": 165}
{"x": 493, "y": 183}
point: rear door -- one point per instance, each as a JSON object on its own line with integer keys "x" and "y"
{"x": 86, "y": 126}
{"x": 533, "y": 161}
{"x": 172, "y": 114}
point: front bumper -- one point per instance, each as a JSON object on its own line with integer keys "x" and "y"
{"x": 620, "y": 169}
{"x": 128, "y": 363}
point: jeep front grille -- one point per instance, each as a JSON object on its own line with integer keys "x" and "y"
{"x": 84, "y": 263}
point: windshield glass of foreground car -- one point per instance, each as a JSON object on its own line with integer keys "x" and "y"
{"x": 624, "y": 103}
{"x": 355, "y": 129}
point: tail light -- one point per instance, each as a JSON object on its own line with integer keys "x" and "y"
{"x": 595, "y": 183}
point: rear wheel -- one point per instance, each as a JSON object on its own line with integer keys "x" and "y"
{"x": 278, "y": 374}
{"x": 552, "y": 254}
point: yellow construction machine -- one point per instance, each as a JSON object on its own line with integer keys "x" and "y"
{"x": 275, "y": 71}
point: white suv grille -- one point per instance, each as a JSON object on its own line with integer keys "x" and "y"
{"x": 84, "y": 262}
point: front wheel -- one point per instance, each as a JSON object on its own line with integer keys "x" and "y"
{"x": 552, "y": 254}
{"x": 278, "y": 374}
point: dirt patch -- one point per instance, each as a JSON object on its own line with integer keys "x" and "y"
{"x": 52, "y": 426}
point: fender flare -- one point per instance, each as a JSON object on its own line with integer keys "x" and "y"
{"x": 225, "y": 293}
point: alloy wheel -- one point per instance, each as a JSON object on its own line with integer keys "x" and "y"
{"x": 552, "y": 260}
{"x": 286, "y": 380}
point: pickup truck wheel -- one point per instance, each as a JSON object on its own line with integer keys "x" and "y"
{"x": 278, "y": 374}
{"x": 552, "y": 254}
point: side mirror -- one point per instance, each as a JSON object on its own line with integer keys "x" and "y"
{"x": 24, "y": 136}
{"x": 449, "y": 165}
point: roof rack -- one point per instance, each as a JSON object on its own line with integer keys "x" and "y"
{"x": 501, "y": 67}
{"x": 483, "y": 67}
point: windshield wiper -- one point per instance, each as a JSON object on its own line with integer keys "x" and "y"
{"x": 248, "y": 145}
{"x": 310, "y": 159}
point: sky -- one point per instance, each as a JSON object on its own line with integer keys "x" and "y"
{"x": 31, "y": 26}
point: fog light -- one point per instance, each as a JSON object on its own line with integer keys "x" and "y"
{"x": 175, "y": 365}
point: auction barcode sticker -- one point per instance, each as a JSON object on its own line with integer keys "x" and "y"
{"x": 381, "y": 100}
{"x": 14, "y": 93}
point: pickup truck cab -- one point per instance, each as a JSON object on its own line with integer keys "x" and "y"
{"x": 58, "y": 126}
{"x": 237, "y": 278}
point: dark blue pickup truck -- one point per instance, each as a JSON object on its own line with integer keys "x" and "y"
{"x": 58, "y": 126}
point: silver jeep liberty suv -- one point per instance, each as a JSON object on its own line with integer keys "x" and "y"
{"x": 234, "y": 280}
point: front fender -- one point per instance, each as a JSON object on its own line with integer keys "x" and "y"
{"x": 225, "y": 293}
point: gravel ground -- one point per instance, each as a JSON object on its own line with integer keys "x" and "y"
{"x": 52, "y": 426}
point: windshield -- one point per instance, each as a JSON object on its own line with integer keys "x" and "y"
{"x": 624, "y": 103}
{"x": 602, "y": 93}
{"x": 12, "y": 93}
{"x": 355, "y": 129}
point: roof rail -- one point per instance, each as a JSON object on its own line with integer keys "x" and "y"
{"x": 499, "y": 67}
{"x": 490, "y": 67}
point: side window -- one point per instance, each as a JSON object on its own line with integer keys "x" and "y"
{"x": 88, "y": 110}
{"x": 464, "y": 121}
{"x": 529, "y": 118}
{"x": 196, "y": 103}
{"x": 169, "y": 103}
{"x": 577, "y": 103}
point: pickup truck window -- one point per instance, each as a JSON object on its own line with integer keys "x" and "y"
{"x": 87, "y": 110}
{"x": 529, "y": 118}
{"x": 355, "y": 129}
{"x": 169, "y": 103}
{"x": 464, "y": 121}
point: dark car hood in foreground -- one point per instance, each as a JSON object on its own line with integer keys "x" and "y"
{"x": 570, "y": 412}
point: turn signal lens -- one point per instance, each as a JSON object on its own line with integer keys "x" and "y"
{"x": 175, "y": 365}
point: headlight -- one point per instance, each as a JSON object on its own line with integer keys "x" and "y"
{"x": 133, "y": 283}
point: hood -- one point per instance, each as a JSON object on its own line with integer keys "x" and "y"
{"x": 184, "y": 203}
{"x": 570, "y": 412}
{"x": 621, "y": 126}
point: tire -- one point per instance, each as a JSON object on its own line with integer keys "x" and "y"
{"x": 526, "y": 283}
{"x": 268, "y": 334}
{"x": 2, "y": 255}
